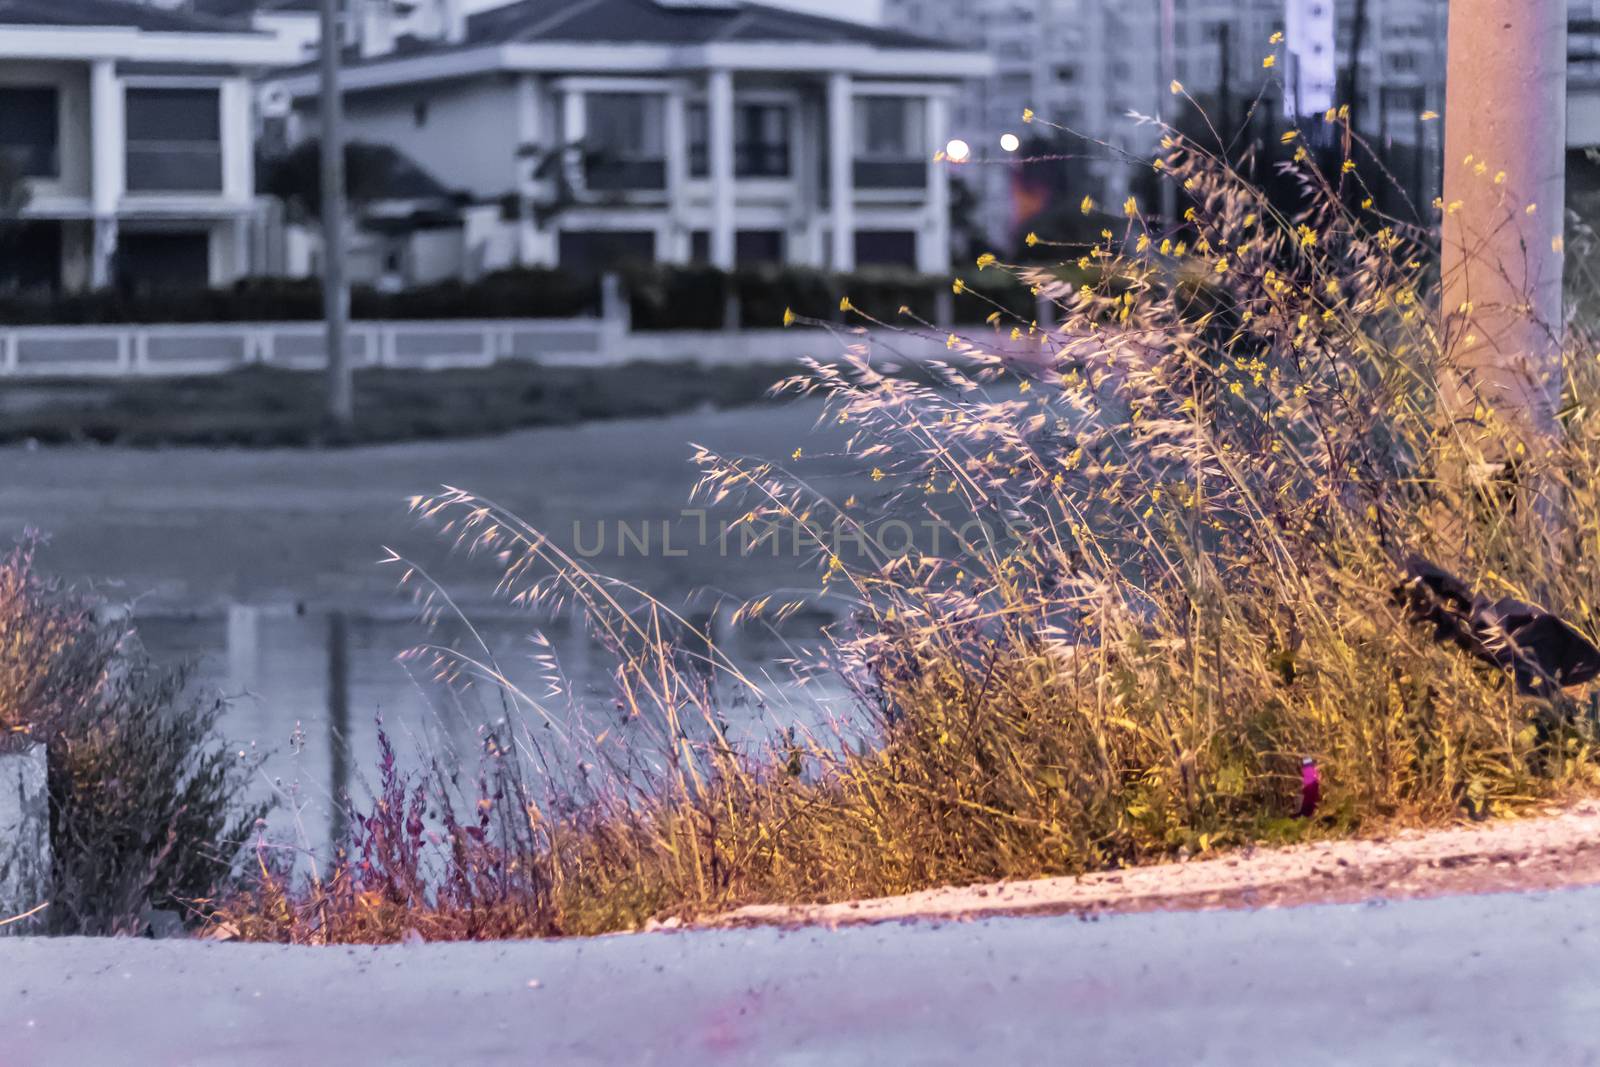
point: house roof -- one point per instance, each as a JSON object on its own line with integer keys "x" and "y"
{"x": 611, "y": 36}
{"x": 647, "y": 22}
{"x": 122, "y": 14}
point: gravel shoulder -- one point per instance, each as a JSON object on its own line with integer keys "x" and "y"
{"x": 1554, "y": 850}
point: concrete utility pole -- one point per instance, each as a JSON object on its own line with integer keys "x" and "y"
{"x": 335, "y": 285}
{"x": 1505, "y": 147}
{"x": 1167, "y": 105}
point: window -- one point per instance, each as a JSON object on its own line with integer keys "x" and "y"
{"x": 886, "y": 248}
{"x": 758, "y": 248}
{"x": 890, "y": 143}
{"x": 163, "y": 262}
{"x": 889, "y": 127}
{"x": 751, "y": 248}
{"x": 29, "y": 121}
{"x": 32, "y": 263}
{"x": 760, "y": 141}
{"x": 592, "y": 251}
{"x": 699, "y": 141}
{"x": 625, "y": 141}
{"x": 174, "y": 140}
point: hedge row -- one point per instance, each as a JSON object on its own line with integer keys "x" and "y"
{"x": 511, "y": 294}
{"x": 677, "y": 298}
{"x": 661, "y": 298}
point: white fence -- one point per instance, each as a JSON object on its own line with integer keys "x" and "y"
{"x": 211, "y": 348}
{"x": 86, "y": 351}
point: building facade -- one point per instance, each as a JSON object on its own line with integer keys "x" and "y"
{"x": 660, "y": 130}
{"x": 130, "y": 130}
{"x": 590, "y": 133}
{"x": 1086, "y": 64}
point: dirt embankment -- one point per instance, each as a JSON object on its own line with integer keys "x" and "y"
{"x": 1556, "y": 850}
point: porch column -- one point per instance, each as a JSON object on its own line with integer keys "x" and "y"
{"x": 719, "y": 91}
{"x": 933, "y": 246}
{"x": 238, "y": 144}
{"x": 107, "y": 166}
{"x": 675, "y": 248}
{"x": 841, "y": 170}
{"x": 574, "y": 130}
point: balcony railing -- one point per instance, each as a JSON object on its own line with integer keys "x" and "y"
{"x": 891, "y": 174}
{"x": 758, "y": 160}
{"x": 174, "y": 167}
{"x": 625, "y": 175}
{"x": 750, "y": 160}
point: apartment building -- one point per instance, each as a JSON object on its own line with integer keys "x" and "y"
{"x": 130, "y": 129}
{"x": 1089, "y": 64}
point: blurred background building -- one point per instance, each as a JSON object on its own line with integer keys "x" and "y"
{"x": 1086, "y": 68}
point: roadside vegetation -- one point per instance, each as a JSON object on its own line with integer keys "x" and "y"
{"x": 1184, "y": 534}
{"x": 147, "y": 807}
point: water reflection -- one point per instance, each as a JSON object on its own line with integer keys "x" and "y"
{"x": 306, "y": 690}
{"x": 338, "y": 720}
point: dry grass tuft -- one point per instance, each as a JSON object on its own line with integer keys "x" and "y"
{"x": 1206, "y": 484}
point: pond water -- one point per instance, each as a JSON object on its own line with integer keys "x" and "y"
{"x": 260, "y": 569}
{"x": 309, "y": 690}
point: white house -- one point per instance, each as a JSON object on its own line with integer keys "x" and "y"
{"x": 589, "y": 131}
{"x": 131, "y": 127}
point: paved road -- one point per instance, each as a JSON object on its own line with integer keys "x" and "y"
{"x": 1491, "y": 979}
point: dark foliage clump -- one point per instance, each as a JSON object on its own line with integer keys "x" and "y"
{"x": 146, "y": 806}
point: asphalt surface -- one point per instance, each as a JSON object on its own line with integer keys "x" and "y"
{"x": 1501, "y": 979}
